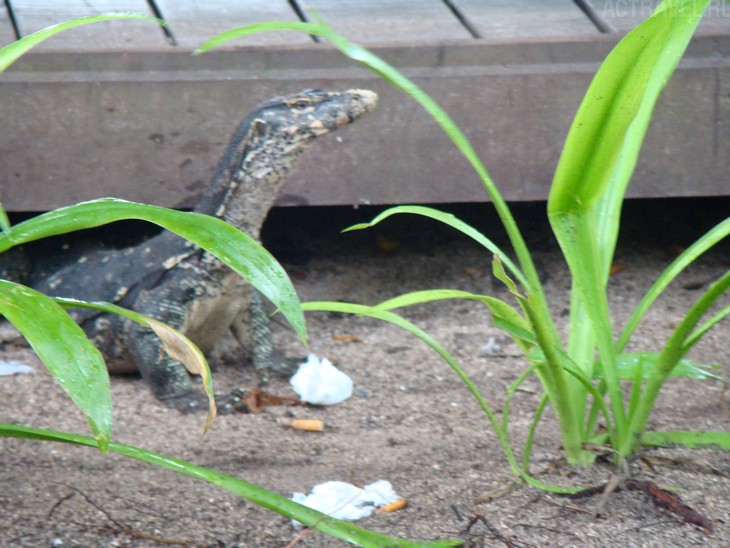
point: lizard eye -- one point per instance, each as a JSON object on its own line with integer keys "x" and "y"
{"x": 301, "y": 104}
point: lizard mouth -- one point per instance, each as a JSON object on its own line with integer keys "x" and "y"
{"x": 342, "y": 109}
{"x": 363, "y": 101}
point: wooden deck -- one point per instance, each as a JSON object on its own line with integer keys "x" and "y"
{"x": 122, "y": 108}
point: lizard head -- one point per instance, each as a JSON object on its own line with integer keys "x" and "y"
{"x": 266, "y": 146}
{"x": 294, "y": 121}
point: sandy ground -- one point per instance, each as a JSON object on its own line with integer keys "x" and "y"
{"x": 410, "y": 420}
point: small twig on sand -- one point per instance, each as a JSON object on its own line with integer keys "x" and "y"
{"x": 478, "y": 517}
{"x": 496, "y": 493}
{"x": 660, "y": 497}
{"x": 58, "y": 503}
{"x": 119, "y": 527}
{"x": 670, "y": 501}
{"x": 611, "y": 485}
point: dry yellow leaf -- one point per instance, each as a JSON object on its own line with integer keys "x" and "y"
{"x": 182, "y": 349}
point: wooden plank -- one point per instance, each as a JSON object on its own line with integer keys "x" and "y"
{"x": 624, "y": 15}
{"x": 193, "y": 23}
{"x": 138, "y": 132}
{"x": 33, "y": 15}
{"x": 525, "y": 18}
{"x": 384, "y": 21}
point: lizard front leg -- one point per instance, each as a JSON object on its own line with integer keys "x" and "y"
{"x": 251, "y": 329}
{"x": 168, "y": 379}
{"x": 198, "y": 297}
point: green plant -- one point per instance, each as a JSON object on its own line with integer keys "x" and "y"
{"x": 584, "y": 210}
{"x": 603, "y": 144}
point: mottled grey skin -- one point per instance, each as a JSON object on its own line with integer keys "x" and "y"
{"x": 185, "y": 287}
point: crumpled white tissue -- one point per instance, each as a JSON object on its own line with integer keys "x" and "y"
{"x": 321, "y": 383}
{"x": 12, "y": 367}
{"x": 492, "y": 347}
{"x": 345, "y": 501}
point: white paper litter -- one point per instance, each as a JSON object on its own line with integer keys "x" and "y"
{"x": 345, "y": 501}
{"x": 12, "y": 367}
{"x": 492, "y": 347}
{"x": 321, "y": 383}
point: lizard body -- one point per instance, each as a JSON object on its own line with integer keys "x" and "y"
{"x": 189, "y": 289}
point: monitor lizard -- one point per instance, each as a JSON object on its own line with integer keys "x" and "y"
{"x": 173, "y": 281}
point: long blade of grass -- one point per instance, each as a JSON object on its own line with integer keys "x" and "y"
{"x": 511, "y": 322}
{"x": 530, "y": 440}
{"x": 236, "y": 249}
{"x": 453, "y": 222}
{"x": 551, "y": 367}
{"x": 504, "y": 316}
{"x": 10, "y": 53}
{"x": 510, "y": 392}
{"x": 258, "y": 495}
{"x": 630, "y": 363}
{"x": 698, "y": 333}
{"x": 64, "y": 349}
{"x": 686, "y": 258}
{"x": 688, "y": 439}
{"x": 395, "y": 319}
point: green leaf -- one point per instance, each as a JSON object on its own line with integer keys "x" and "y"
{"x": 694, "y": 337}
{"x": 236, "y": 249}
{"x": 258, "y": 495}
{"x": 551, "y": 368}
{"x": 595, "y": 167}
{"x": 255, "y": 28}
{"x": 688, "y": 439}
{"x": 63, "y": 347}
{"x": 10, "y": 53}
{"x": 504, "y": 316}
{"x": 382, "y": 313}
{"x": 453, "y": 222}
{"x": 395, "y": 319}
{"x": 499, "y": 273}
{"x": 4, "y": 221}
{"x": 670, "y": 355}
{"x": 686, "y": 258}
{"x": 606, "y": 135}
{"x": 634, "y": 365}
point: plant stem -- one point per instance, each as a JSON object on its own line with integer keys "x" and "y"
{"x": 557, "y": 388}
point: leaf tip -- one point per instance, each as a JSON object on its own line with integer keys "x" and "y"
{"x": 358, "y": 226}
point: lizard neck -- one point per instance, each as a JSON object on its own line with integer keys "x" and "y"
{"x": 267, "y": 145}
{"x": 248, "y": 178}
